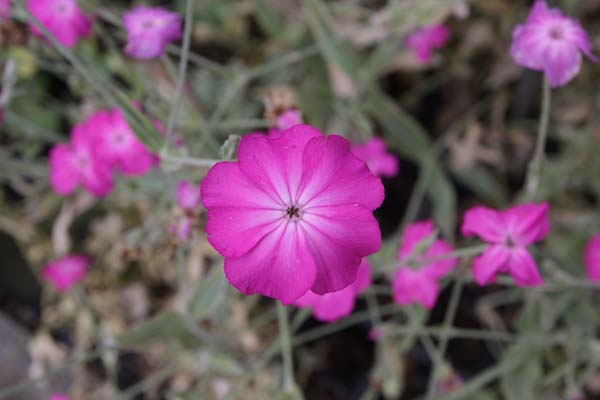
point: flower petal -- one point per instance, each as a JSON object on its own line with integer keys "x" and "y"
{"x": 484, "y": 222}
{"x": 528, "y": 223}
{"x": 64, "y": 177}
{"x": 414, "y": 286}
{"x": 493, "y": 261}
{"x": 523, "y": 269}
{"x": 329, "y": 307}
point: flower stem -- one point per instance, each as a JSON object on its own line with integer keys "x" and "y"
{"x": 534, "y": 171}
{"x": 286, "y": 347}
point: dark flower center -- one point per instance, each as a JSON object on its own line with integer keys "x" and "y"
{"x": 556, "y": 33}
{"x": 292, "y": 212}
{"x": 510, "y": 242}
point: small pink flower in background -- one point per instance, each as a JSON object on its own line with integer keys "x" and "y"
{"x": 420, "y": 284}
{"x": 64, "y": 273}
{"x": 424, "y": 40}
{"x": 4, "y": 9}
{"x": 376, "y": 333}
{"x": 59, "y": 397}
{"x": 330, "y": 307}
{"x": 118, "y": 145}
{"x": 62, "y": 18}
{"x": 293, "y": 214}
{"x": 592, "y": 258}
{"x": 551, "y": 42}
{"x": 285, "y": 121}
{"x": 374, "y": 153}
{"x": 76, "y": 163}
{"x": 150, "y": 30}
{"x": 509, "y": 232}
{"x": 182, "y": 228}
{"x": 188, "y": 196}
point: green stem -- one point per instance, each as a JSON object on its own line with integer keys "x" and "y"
{"x": 286, "y": 347}
{"x": 534, "y": 171}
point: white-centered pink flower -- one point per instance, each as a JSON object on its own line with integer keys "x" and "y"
{"x": 424, "y": 40}
{"x": 66, "y": 272}
{"x": 551, "y": 42}
{"x": 293, "y": 214}
{"x": 150, "y": 30}
{"x": 417, "y": 278}
{"x": 330, "y": 307}
{"x": 62, "y": 18}
{"x": 374, "y": 153}
{"x": 592, "y": 258}
{"x": 509, "y": 233}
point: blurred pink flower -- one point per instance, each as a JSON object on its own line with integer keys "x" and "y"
{"x": 150, "y": 30}
{"x": 118, "y": 145}
{"x": 76, "y": 163}
{"x": 379, "y": 161}
{"x": 59, "y": 397}
{"x": 424, "y": 40}
{"x": 181, "y": 228}
{"x": 4, "y": 9}
{"x": 509, "y": 232}
{"x": 420, "y": 284}
{"x": 284, "y": 122}
{"x": 64, "y": 273}
{"x": 188, "y": 195}
{"x": 551, "y": 42}
{"x": 62, "y": 18}
{"x": 330, "y": 307}
{"x": 293, "y": 214}
{"x": 592, "y": 258}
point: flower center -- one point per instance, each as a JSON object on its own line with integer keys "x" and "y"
{"x": 510, "y": 243}
{"x": 292, "y": 212}
{"x": 556, "y": 33}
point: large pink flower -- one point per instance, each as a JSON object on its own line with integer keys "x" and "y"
{"x": 62, "y": 18}
{"x": 509, "y": 232}
{"x": 77, "y": 164}
{"x": 550, "y": 41}
{"x": 150, "y": 30}
{"x": 379, "y": 161}
{"x": 118, "y": 145}
{"x": 293, "y": 214}
{"x": 416, "y": 280}
{"x": 66, "y": 272}
{"x": 4, "y": 9}
{"x": 424, "y": 40}
{"x": 330, "y": 307}
{"x": 188, "y": 195}
{"x": 592, "y": 258}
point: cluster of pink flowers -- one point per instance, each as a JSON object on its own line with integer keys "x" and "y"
{"x": 66, "y": 272}
{"x": 99, "y": 146}
{"x": 149, "y": 29}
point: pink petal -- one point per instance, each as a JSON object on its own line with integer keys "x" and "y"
{"x": 63, "y": 176}
{"x": 562, "y": 63}
{"x": 413, "y": 286}
{"x": 66, "y": 272}
{"x": 363, "y": 277}
{"x": 279, "y": 266}
{"x": 523, "y": 269}
{"x": 484, "y": 222}
{"x": 492, "y": 262}
{"x": 592, "y": 258}
{"x": 528, "y": 223}
{"x": 188, "y": 195}
{"x": 329, "y": 307}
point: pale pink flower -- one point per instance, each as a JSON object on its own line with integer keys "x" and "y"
{"x": 182, "y": 228}
{"x": 188, "y": 195}
{"x": 4, "y": 9}
{"x": 374, "y": 153}
{"x": 592, "y": 258}
{"x": 376, "y": 333}
{"x": 417, "y": 279}
{"x": 285, "y": 121}
{"x": 64, "y": 273}
{"x": 424, "y": 40}
{"x": 509, "y": 232}
{"x": 76, "y": 163}
{"x": 551, "y": 42}
{"x": 293, "y": 214}
{"x": 330, "y": 307}
{"x": 59, "y": 397}
{"x": 118, "y": 145}
{"x": 62, "y": 18}
{"x": 150, "y": 30}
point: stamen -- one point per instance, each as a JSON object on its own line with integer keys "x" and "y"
{"x": 292, "y": 212}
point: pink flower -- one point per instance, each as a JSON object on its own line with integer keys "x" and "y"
{"x": 551, "y": 42}
{"x": 59, "y": 397}
{"x": 509, "y": 232}
{"x": 293, "y": 214}
{"x": 118, "y": 145}
{"x": 379, "y": 161}
{"x": 182, "y": 228}
{"x": 76, "y": 164}
{"x": 592, "y": 258}
{"x": 62, "y": 18}
{"x": 330, "y": 307}
{"x": 64, "y": 273}
{"x": 4, "y": 9}
{"x": 424, "y": 40}
{"x": 419, "y": 284}
{"x": 188, "y": 196}
{"x": 150, "y": 30}
{"x": 285, "y": 121}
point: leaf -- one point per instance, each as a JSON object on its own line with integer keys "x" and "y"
{"x": 520, "y": 383}
{"x": 209, "y": 295}
{"x": 443, "y": 197}
{"x": 167, "y": 324}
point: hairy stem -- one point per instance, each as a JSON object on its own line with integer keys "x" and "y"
{"x": 286, "y": 347}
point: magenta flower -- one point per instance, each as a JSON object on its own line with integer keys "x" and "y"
{"x": 76, "y": 163}
{"x": 118, "y": 145}
{"x": 150, "y": 30}
{"x": 62, "y": 18}
{"x": 592, "y": 258}
{"x": 509, "y": 232}
{"x": 379, "y": 161}
{"x": 64, "y": 273}
{"x": 424, "y": 40}
{"x": 417, "y": 280}
{"x": 4, "y": 9}
{"x": 551, "y": 42}
{"x": 285, "y": 121}
{"x": 330, "y": 307}
{"x": 188, "y": 196}
{"x": 293, "y": 214}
